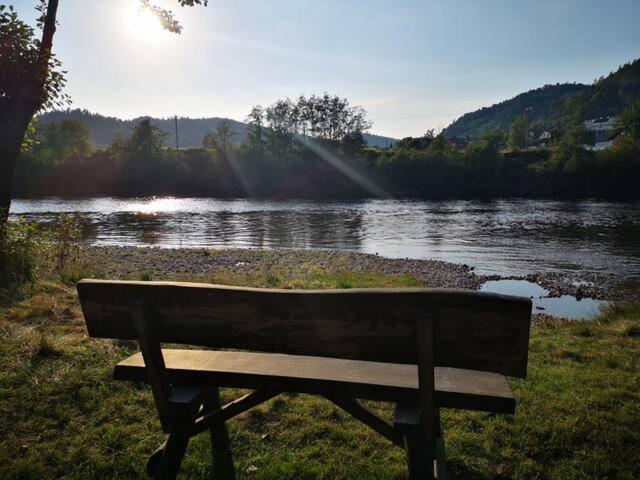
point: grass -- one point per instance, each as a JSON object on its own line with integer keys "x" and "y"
{"x": 62, "y": 416}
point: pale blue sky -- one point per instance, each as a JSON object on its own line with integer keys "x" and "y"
{"x": 413, "y": 64}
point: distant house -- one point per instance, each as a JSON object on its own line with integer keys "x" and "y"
{"x": 603, "y": 129}
{"x": 544, "y": 139}
{"x": 600, "y": 124}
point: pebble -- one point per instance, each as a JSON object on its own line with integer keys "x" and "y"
{"x": 118, "y": 262}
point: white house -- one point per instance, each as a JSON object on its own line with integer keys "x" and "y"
{"x": 600, "y": 124}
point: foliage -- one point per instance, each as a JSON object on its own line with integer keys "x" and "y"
{"x": 221, "y": 138}
{"x": 146, "y": 140}
{"x": 606, "y": 97}
{"x": 63, "y": 241}
{"x": 20, "y": 252}
{"x": 166, "y": 17}
{"x": 191, "y": 130}
{"x": 545, "y": 106}
{"x": 275, "y": 159}
{"x": 628, "y": 122}
{"x": 30, "y": 252}
{"x": 577, "y": 412}
{"x": 63, "y": 141}
{"x": 20, "y": 68}
{"x": 575, "y": 133}
{"x": 518, "y": 133}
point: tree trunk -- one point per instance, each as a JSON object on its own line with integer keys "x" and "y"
{"x": 8, "y": 157}
{"x": 22, "y": 111}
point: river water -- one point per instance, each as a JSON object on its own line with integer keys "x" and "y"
{"x": 505, "y": 237}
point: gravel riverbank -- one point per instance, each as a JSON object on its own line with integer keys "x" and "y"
{"x": 131, "y": 262}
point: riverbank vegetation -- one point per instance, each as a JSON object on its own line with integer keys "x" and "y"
{"x": 312, "y": 147}
{"x": 63, "y": 415}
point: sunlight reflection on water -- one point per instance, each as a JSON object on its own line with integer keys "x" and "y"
{"x": 506, "y": 237}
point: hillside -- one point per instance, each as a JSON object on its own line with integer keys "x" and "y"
{"x": 611, "y": 94}
{"x": 607, "y": 96}
{"x": 545, "y": 106}
{"x": 191, "y": 131}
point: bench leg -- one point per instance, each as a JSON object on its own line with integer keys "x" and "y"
{"x": 441, "y": 466}
{"x": 419, "y": 457}
{"x": 421, "y": 451}
{"x": 164, "y": 464}
{"x": 222, "y": 458}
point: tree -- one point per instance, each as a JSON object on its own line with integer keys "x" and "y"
{"x": 31, "y": 80}
{"x": 518, "y": 134}
{"x": 255, "y": 132}
{"x": 146, "y": 140}
{"x": 628, "y": 122}
{"x": 492, "y": 139}
{"x": 575, "y": 112}
{"x": 58, "y": 142}
{"x": 221, "y": 138}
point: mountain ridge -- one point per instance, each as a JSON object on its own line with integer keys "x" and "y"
{"x": 543, "y": 106}
{"x": 191, "y": 131}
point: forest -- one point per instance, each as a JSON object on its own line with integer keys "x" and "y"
{"x": 313, "y": 147}
{"x": 543, "y": 107}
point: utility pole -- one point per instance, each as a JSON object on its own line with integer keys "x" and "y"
{"x": 177, "y": 144}
{"x": 526, "y": 141}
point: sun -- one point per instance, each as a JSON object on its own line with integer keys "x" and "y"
{"x": 144, "y": 24}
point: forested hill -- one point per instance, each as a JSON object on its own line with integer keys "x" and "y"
{"x": 191, "y": 131}
{"x": 610, "y": 95}
{"x": 544, "y": 106}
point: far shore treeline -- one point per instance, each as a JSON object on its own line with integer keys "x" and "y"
{"x": 313, "y": 147}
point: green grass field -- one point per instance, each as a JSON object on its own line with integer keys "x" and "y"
{"x": 62, "y": 416}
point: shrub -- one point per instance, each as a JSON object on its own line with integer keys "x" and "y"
{"x": 64, "y": 242}
{"x": 20, "y": 252}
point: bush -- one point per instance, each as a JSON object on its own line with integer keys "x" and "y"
{"x": 26, "y": 251}
{"x": 20, "y": 252}
{"x": 64, "y": 242}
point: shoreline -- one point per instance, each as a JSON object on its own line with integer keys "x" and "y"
{"x": 164, "y": 263}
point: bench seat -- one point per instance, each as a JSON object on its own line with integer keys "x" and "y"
{"x": 454, "y": 387}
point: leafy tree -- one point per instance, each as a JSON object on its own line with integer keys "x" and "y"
{"x": 575, "y": 113}
{"x": 492, "y": 139}
{"x": 31, "y": 80}
{"x": 518, "y": 134}
{"x": 221, "y": 138}
{"x": 628, "y": 122}
{"x": 255, "y": 132}
{"x": 58, "y": 142}
{"x": 328, "y": 120}
{"x": 147, "y": 140}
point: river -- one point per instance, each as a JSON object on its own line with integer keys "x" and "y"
{"x": 504, "y": 237}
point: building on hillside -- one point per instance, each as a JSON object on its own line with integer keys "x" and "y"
{"x": 603, "y": 129}
{"x": 544, "y": 139}
{"x": 600, "y": 124}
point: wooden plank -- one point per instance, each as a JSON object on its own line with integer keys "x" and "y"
{"x": 474, "y": 330}
{"x": 455, "y": 388}
{"x": 231, "y": 409}
{"x": 360, "y": 411}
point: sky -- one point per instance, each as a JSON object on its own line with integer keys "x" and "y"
{"x": 412, "y": 64}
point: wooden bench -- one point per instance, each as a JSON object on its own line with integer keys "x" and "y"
{"x": 423, "y": 349}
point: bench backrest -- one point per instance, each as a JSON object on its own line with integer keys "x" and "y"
{"x": 473, "y": 330}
